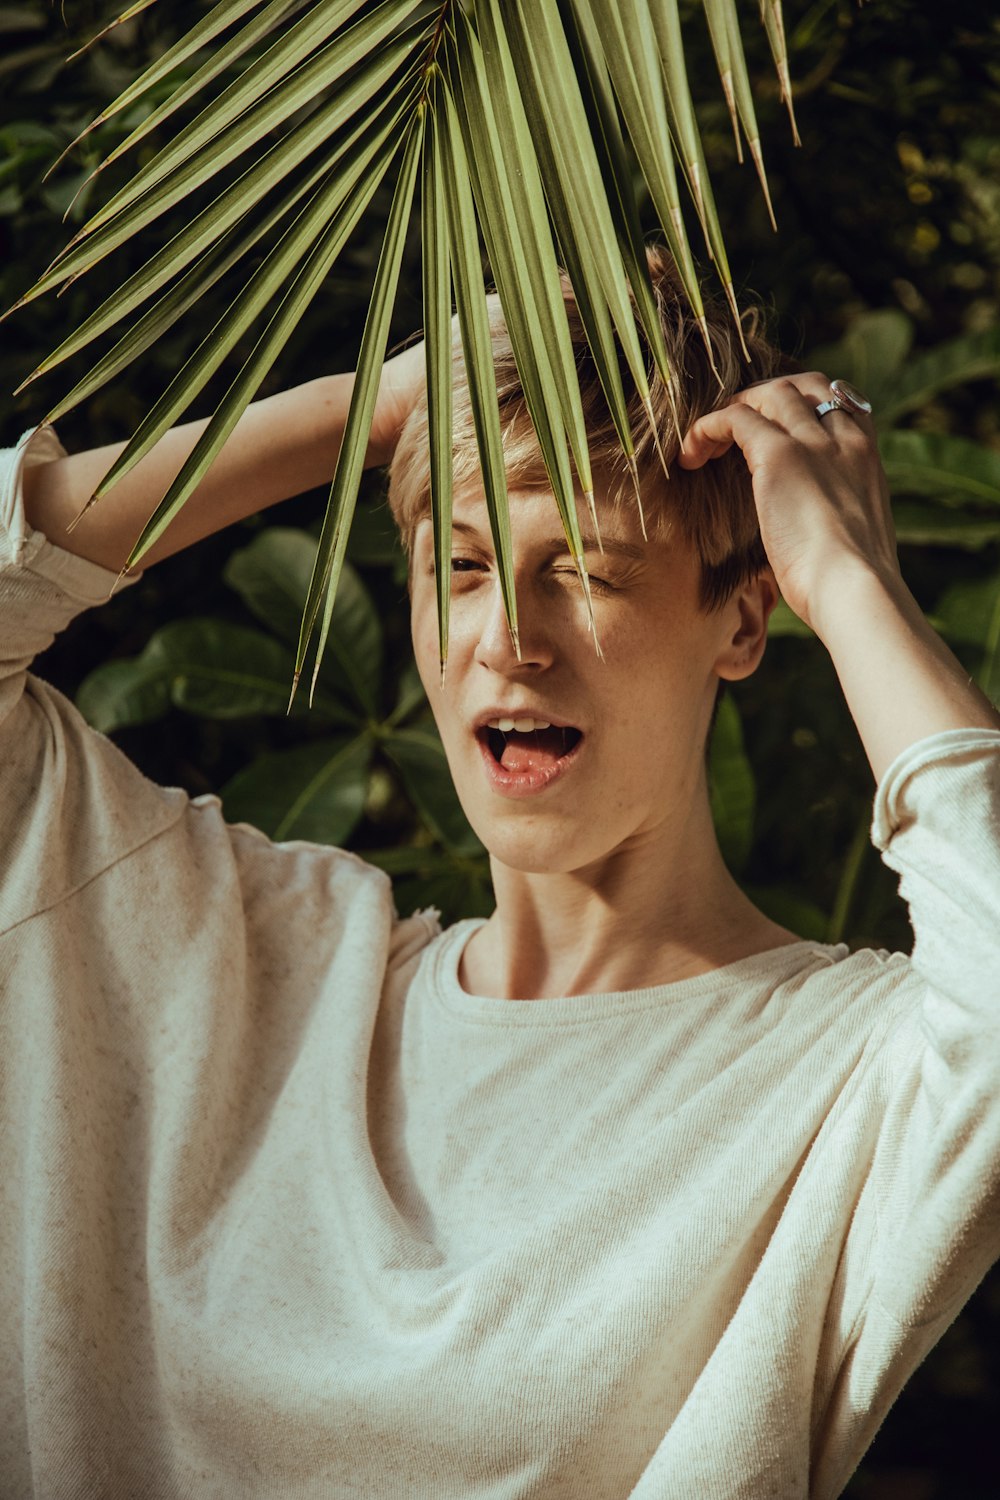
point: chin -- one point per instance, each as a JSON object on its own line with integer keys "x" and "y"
{"x": 528, "y": 846}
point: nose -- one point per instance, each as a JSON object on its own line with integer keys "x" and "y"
{"x": 495, "y": 649}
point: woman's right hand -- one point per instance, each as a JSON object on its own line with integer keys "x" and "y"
{"x": 402, "y": 382}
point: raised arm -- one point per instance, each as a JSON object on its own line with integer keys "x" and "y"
{"x": 825, "y": 519}
{"x": 282, "y": 445}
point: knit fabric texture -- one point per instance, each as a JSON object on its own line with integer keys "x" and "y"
{"x": 284, "y": 1211}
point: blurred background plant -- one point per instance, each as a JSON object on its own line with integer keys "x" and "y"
{"x": 886, "y": 270}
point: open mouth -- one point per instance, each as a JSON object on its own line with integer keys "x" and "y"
{"x": 532, "y": 753}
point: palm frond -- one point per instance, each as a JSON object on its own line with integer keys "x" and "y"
{"x": 326, "y": 221}
{"x": 225, "y": 14}
{"x": 224, "y": 221}
{"x": 521, "y": 122}
{"x": 512, "y": 212}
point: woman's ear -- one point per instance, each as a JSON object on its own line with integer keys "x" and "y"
{"x": 746, "y": 615}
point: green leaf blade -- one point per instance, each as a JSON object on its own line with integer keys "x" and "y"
{"x": 314, "y": 792}
{"x": 438, "y": 351}
{"x": 343, "y": 492}
{"x": 473, "y": 318}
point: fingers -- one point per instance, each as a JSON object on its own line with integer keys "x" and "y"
{"x": 788, "y": 406}
{"x": 717, "y": 431}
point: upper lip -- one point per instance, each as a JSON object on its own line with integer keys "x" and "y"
{"x": 520, "y": 711}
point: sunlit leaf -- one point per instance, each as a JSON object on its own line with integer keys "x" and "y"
{"x": 284, "y": 80}
{"x": 725, "y": 30}
{"x": 344, "y": 490}
{"x": 307, "y": 250}
{"x": 438, "y": 353}
{"x": 290, "y": 311}
{"x": 83, "y": 253}
{"x": 629, "y": 44}
{"x": 512, "y": 212}
{"x": 574, "y": 188}
{"x": 473, "y": 318}
{"x": 615, "y": 166}
{"x": 684, "y": 124}
{"x": 219, "y": 60}
{"x": 128, "y": 14}
{"x": 225, "y": 219}
{"x": 775, "y": 28}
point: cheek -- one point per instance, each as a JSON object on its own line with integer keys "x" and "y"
{"x": 424, "y": 633}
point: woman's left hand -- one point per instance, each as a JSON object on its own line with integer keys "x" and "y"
{"x": 821, "y": 492}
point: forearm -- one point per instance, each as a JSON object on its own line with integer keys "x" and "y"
{"x": 900, "y": 680}
{"x": 282, "y": 445}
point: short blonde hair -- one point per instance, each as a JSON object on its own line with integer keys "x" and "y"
{"x": 713, "y": 506}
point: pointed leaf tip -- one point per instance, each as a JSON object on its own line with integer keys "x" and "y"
{"x": 633, "y": 469}
{"x": 79, "y": 517}
{"x": 27, "y": 381}
{"x": 758, "y": 161}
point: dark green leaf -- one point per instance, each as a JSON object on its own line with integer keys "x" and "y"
{"x": 732, "y": 787}
{"x": 272, "y": 575}
{"x": 936, "y": 526}
{"x": 973, "y": 356}
{"x": 870, "y": 355}
{"x": 969, "y": 614}
{"x": 314, "y": 792}
{"x": 206, "y": 667}
{"x": 420, "y": 757}
{"x": 937, "y": 464}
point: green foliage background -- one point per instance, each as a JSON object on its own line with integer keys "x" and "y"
{"x": 889, "y": 231}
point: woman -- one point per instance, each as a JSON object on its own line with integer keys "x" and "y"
{"x": 626, "y": 1191}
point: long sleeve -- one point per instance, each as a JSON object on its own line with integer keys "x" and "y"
{"x": 937, "y": 822}
{"x": 285, "y": 1210}
{"x": 925, "y": 1220}
{"x": 70, "y": 803}
{"x": 175, "y": 993}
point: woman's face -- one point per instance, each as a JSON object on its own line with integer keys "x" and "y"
{"x": 625, "y": 747}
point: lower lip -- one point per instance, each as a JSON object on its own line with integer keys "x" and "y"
{"x": 525, "y": 783}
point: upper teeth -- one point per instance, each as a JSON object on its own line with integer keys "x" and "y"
{"x": 523, "y": 726}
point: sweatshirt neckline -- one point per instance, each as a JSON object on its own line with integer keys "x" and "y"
{"x": 774, "y": 964}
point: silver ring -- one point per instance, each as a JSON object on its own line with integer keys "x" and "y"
{"x": 845, "y": 397}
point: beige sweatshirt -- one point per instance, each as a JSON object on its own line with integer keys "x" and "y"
{"x": 287, "y": 1213}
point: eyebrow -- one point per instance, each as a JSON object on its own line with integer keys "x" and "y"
{"x": 612, "y": 545}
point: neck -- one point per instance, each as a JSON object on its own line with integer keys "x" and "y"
{"x": 659, "y": 908}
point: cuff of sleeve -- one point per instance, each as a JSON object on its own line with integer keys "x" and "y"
{"x": 76, "y": 576}
{"x": 951, "y": 745}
